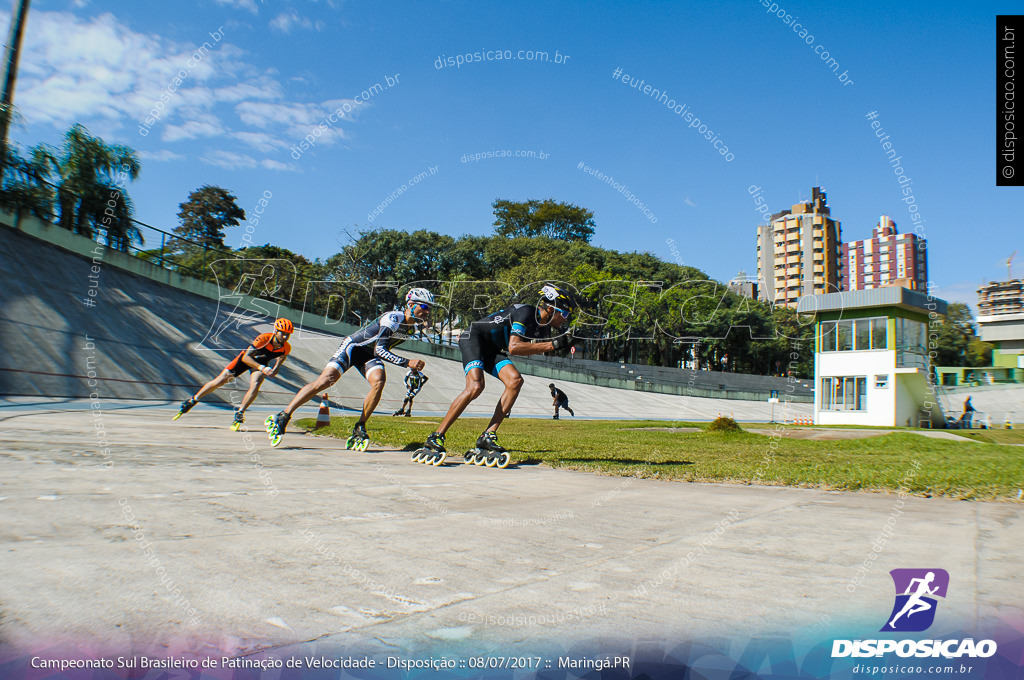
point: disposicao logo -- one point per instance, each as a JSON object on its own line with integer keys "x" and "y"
{"x": 913, "y": 612}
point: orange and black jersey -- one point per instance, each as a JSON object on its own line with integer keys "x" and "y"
{"x": 262, "y": 351}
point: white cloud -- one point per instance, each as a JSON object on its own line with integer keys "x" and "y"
{"x": 192, "y": 129}
{"x": 689, "y": 202}
{"x": 241, "y": 4}
{"x": 99, "y": 72}
{"x": 286, "y": 21}
{"x": 260, "y": 141}
{"x": 298, "y": 120}
{"x": 229, "y": 160}
{"x": 277, "y": 165}
{"x": 160, "y": 156}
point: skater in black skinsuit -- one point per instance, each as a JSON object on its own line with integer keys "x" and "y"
{"x": 414, "y": 382}
{"x": 364, "y": 350}
{"x": 518, "y": 330}
{"x": 559, "y": 400}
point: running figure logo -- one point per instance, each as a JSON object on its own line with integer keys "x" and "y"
{"x": 914, "y": 610}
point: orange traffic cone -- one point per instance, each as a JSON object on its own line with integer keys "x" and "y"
{"x": 323, "y": 416}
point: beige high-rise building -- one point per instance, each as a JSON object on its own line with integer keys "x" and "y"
{"x": 798, "y": 252}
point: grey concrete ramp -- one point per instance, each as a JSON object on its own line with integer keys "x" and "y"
{"x": 126, "y": 532}
{"x": 145, "y": 340}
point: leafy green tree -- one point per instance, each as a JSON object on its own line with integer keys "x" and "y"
{"x": 979, "y": 353}
{"x": 954, "y": 333}
{"x": 92, "y": 173}
{"x": 208, "y": 211}
{"x": 562, "y": 221}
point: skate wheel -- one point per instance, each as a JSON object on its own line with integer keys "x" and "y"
{"x": 467, "y": 457}
{"x": 361, "y": 446}
{"x": 275, "y": 441}
{"x": 479, "y": 458}
{"x": 268, "y": 421}
{"x": 491, "y": 461}
{"x": 416, "y": 455}
{"x": 177, "y": 415}
{"x": 438, "y": 458}
{"x": 503, "y": 460}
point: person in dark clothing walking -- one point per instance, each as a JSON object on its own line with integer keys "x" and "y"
{"x": 969, "y": 410}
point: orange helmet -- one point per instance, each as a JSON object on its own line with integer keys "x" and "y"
{"x": 284, "y": 325}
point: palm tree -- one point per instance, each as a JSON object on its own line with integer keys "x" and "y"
{"x": 90, "y": 194}
{"x": 23, "y": 186}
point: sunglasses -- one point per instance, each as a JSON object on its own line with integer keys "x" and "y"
{"x": 565, "y": 313}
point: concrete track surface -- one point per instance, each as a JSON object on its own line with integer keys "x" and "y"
{"x": 126, "y": 533}
{"x": 109, "y": 547}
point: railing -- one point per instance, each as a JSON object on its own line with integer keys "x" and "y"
{"x": 166, "y": 238}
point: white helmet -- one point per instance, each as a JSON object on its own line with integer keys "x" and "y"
{"x": 420, "y": 296}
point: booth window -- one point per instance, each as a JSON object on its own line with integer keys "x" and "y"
{"x": 854, "y": 334}
{"x": 844, "y": 393}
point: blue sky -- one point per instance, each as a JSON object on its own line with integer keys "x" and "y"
{"x": 280, "y": 67}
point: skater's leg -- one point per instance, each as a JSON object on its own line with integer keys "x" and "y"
{"x": 474, "y": 386}
{"x": 255, "y": 380}
{"x": 376, "y": 377}
{"x": 513, "y": 381}
{"x": 219, "y": 381}
{"x": 328, "y": 377}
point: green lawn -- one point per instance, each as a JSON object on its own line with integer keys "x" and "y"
{"x": 964, "y": 470}
{"x": 993, "y": 436}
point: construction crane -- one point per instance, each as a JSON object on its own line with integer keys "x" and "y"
{"x": 1009, "y": 260}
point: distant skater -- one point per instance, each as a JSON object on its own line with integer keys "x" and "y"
{"x": 414, "y": 382}
{"x": 559, "y": 400}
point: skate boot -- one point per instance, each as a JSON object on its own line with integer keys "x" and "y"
{"x": 359, "y": 439}
{"x": 433, "y": 451}
{"x": 554, "y": 417}
{"x": 408, "y": 414}
{"x": 488, "y": 452}
{"x": 186, "y": 406}
{"x": 276, "y": 426}
{"x": 399, "y": 412}
{"x": 237, "y": 422}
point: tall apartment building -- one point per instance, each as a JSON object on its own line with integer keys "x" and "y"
{"x": 888, "y": 258}
{"x": 1001, "y": 322}
{"x": 798, "y": 252}
{"x": 1001, "y": 297}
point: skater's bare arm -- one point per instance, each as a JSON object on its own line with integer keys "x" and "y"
{"x": 250, "y": 362}
{"x": 276, "y": 367}
{"x": 518, "y": 347}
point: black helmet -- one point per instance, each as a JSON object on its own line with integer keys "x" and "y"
{"x": 557, "y": 297}
{"x": 551, "y": 385}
